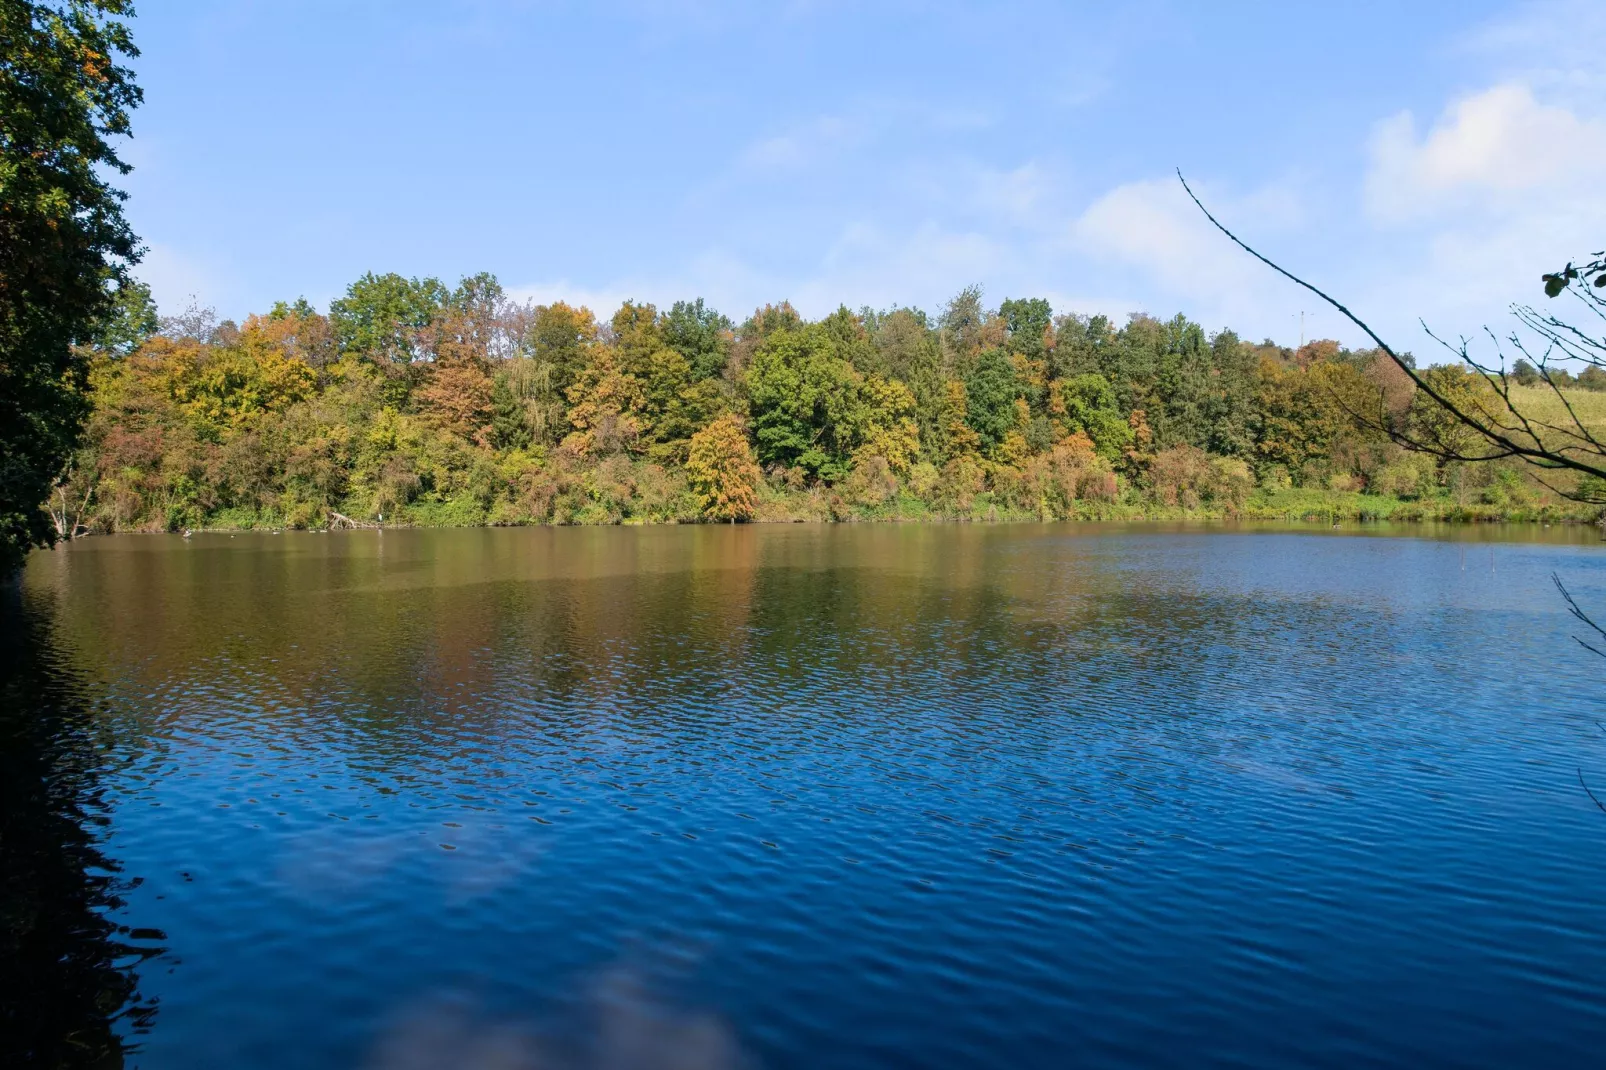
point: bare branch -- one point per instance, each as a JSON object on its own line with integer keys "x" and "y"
{"x": 1577, "y": 611}
{"x": 1499, "y": 436}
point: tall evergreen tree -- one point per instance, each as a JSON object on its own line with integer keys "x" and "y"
{"x": 65, "y": 248}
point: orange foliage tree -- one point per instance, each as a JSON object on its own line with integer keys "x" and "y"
{"x": 722, "y": 470}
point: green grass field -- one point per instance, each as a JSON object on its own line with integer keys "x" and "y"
{"x": 1540, "y": 403}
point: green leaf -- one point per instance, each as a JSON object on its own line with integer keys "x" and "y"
{"x": 1554, "y": 284}
{"x": 1600, "y": 280}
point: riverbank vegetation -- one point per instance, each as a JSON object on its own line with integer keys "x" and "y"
{"x": 412, "y": 402}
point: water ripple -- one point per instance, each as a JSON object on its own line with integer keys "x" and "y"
{"x": 940, "y": 796}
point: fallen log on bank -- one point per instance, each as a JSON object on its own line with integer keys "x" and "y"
{"x": 341, "y": 520}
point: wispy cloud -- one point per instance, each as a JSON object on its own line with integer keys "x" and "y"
{"x": 1552, "y": 45}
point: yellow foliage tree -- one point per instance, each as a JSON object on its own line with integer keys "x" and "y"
{"x": 959, "y": 439}
{"x": 722, "y": 470}
{"x": 890, "y": 430}
{"x": 222, "y": 389}
{"x": 1013, "y": 450}
{"x": 606, "y": 406}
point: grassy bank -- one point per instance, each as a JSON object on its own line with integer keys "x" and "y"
{"x": 824, "y": 505}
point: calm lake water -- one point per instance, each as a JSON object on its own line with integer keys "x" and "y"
{"x": 808, "y": 796}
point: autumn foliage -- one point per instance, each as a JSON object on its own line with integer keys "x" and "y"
{"x": 416, "y": 403}
{"x": 722, "y": 471}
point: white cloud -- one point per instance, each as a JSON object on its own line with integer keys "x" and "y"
{"x": 1497, "y": 149}
{"x": 1154, "y": 229}
{"x": 1502, "y": 186}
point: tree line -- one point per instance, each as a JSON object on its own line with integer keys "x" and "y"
{"x": 411, "y": 401}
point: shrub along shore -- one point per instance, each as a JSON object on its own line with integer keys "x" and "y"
{"x": 413, "y": 404}
{"x": 780, "y": 505}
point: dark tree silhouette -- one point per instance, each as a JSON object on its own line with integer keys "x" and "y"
{"x": 68, "y": 970}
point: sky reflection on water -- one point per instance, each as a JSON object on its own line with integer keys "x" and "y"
{"x": 791, "y": 796}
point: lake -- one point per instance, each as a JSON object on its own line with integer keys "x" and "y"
{"x": 796, "y": 796}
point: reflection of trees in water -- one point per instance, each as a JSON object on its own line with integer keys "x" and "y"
{"x": 424, "y": 647}
{"x": 68, "y": 983}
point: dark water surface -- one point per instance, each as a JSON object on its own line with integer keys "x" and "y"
{"x": 806, "y": 796}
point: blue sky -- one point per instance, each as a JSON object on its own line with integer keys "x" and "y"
{"x": 1422, "y": 159}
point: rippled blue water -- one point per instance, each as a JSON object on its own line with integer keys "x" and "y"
{"x": 857, "y": 797}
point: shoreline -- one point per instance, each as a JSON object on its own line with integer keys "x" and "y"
{"x": 1288, "y": 506}
{"x": 1172, "y": 519}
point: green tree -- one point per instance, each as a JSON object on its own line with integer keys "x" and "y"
{"x": 300, "y": 308}
{"x": 886, "y": 424}
{"x": 65, "y": 247}
{"x": 812, "y": 409}
{"x": 1080, "y": 346}
{"x": 955, "y": 437}
{"x": 699, "y": 334}
{"x": 471, "y": 313}
{"x": 130, "y": 321}
{"x": 909, "y": 351}
{"x": 1228, "y": 396}
{"x": 850, "y": 339}
{"x": 1298, "y": 412}
{"x": 1091, "y": 408}
{"x": 509, "y": 428}
{"x": 799, "y": 391}
{"x": 637, "y": 335}
{"x": 559, "y": 339}
{"x": 677, "y": 403}
{"x": 383, "y": 316}
{"x": 1030, "y": 322}
{"x": 758, "y": 327}
{"x": 990, "y": 391}
{"x": 964, "y": 325}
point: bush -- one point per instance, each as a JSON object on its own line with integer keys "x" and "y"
{"x": 1412, "y": 475}
{"x": 923, "y": 479}
{"x": 1275, "y": 477}
{"x": 871, "y": 482}
{"x": 1182, "y": 475}
{"x": 1506, "y": 489}
{"x": 1233, "y": 483}
{"x": 1189, "y": 477}
{"x": 1051, "y": 484}
{"x": 1345, "y": 482}
{"x": 962, "y": 480}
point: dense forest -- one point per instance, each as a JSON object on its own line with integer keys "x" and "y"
{"x": 411, "y": 402}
